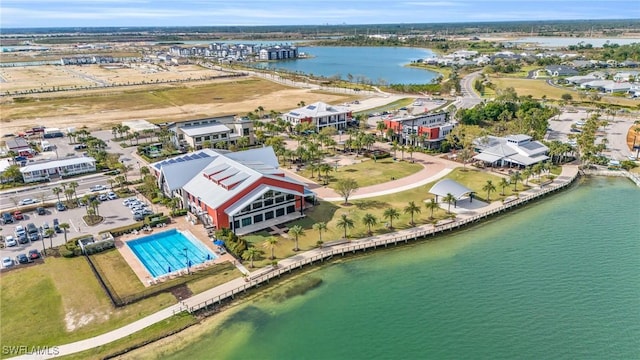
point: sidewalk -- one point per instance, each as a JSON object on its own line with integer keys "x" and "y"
{"x": 568, "y": 174}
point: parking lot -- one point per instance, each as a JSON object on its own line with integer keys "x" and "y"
{"x": 114, "y": 212}
{"x": 615, "y": 132}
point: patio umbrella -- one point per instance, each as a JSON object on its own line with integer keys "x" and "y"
{"x": 219, "y": 242}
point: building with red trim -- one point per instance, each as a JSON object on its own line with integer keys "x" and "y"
{"x": 244, "y": 191}
{"x": 430, "y": 129}
{"x": 320, "y": 115}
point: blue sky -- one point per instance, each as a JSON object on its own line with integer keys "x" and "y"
{"x": 70, "y": 13}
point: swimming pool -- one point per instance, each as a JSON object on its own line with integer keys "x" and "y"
{"x": 169, "y": 251}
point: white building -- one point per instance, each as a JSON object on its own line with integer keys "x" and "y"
{"x": 320, "y": 115}
{"x": 227, "y": 129}
{"x": 518, "y": 150}
{"x": 57, "y": 169}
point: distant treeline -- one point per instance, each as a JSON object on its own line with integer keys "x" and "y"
{"x": 539, "y": 28}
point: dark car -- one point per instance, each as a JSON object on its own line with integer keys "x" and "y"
{"x": 41, "y": 210}
{"x": 56, "y": 226}
{"x": 34, "y": 236}
{"x": 23, "y": 239}
{"x": 60, "y": 206}
{"x": 34, "y": 254}
{"x": 7, "y": 218}
{"x": 23, "y": 259}
{"x": 80, "y": 147}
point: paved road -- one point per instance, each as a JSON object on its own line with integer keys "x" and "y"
{"x": 469, "y": 97}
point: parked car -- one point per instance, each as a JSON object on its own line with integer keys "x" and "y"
{"x": 80, "y": 147}
{"x": 7, "y": 262}
{"x": 60, "y": 206}
{"x": 17, "y": 215}
{"x": 41, "y": 211}
{"x": 23, "y": 239}
{"x": 7, "y": 218}
{"x": 22, "y": 259}
{"x": 138, "y": 216}
{"x": 26, "y": 201}
{"x": 10, "y": 241}
{"x": 45, "y": 227}
{"x": 98, "y": 188}
{"x": 20, "y": 230}
{"x": 56, "y": 226}
{"x": 103, "y": 197}
{"x": 112, "y": 196}
{"x": 128, "y": 201}
{"x": 34, "y": 254}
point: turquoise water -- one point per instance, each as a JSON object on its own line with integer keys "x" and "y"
{"x": 169, "y": 251}
{"x": 372, "y": 63}
{"x": 557, "y": 279}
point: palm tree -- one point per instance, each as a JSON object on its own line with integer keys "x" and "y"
{"x": 431, "y": 205}
{"x": 526, "y": 174}
{"x": 515, "y": 178}
{"x": 73, "y": 185}
{"x": 271, "y": 244}
{"x": 296, "y": 231}
{"x": 345, "y": 223}
{"x": 250, "y": 254}
{"x": 369, "y": 220}
{"x": 449, "y": 199}
{"x": 325, "y": 168}
{"x": 243, "y": 142}
{"x": 49, "y": 233}
{"x": 390, "y": 214}
{"x": 503, "y": 184}
{"x": 94, "y": 205}
{"x": 412, "y": 209}
{"x": 320, "y": 226}
{"x": 57, "y": 191}
{"x": 64, "y": 227}
{"x": 489, "y": 187}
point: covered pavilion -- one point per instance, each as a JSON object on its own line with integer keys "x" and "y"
{"x": 448, "y": 186}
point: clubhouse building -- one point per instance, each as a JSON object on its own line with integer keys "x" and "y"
{"x": 427, "y": 130}
{"x": 213, "y": 132}
{"x": 320, "y": 115}
{"x": 512, "y": 150}
{"x": 244, "y": 191}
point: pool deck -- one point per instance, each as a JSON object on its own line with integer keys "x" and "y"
{"x": 178, "y": 223}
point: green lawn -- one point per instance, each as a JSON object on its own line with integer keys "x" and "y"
{"x": 331, "y": 212}
{"x": 61, "y": 295}
{"x": 389, "y": 107}
{"x": 369, "y": 172}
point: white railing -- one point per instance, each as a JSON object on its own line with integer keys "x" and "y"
{"x": 368, "y": 243}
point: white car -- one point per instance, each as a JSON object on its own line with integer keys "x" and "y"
{"x": 26, "y": 201}
{"x": 98, "y": 188}
{"x": 127, "y": 202}
{"x": 112, "y": 196}
{"x": 10, "y": 241}
{"x": 20, "y": 230}
{"x": 7, "y": 262}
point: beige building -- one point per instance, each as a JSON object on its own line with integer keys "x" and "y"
{"x": 196, "y": 133}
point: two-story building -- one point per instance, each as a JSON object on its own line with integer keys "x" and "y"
{"x": 425, "y": 130}
{"x": 320, "y": 115}
{"x": 196, "y": 134}
{"x": 244, "y": 191}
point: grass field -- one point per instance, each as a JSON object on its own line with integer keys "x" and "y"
{"x": 369, "y": 172}
{"x": 331, "y": 212}
{"x": 538, "y": 88}
{"x": 63, "y": 302}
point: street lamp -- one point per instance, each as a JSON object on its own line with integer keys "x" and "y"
{"x": 186, "y": 256}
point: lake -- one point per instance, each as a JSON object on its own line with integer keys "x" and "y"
{"x": 557, "y": 279}
{"x": 374, "y": 64}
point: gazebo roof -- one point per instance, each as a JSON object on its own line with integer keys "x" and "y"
{"x": 446, "y": 186}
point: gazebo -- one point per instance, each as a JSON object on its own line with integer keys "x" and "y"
{"x": 448, "y": 186}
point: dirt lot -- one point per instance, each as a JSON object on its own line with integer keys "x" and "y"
{"x": 101, "y": 108}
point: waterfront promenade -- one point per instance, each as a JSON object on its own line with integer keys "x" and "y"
{"x": 218, "y": 295}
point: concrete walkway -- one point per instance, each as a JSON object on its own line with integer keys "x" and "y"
{"x": 569, "y": 172}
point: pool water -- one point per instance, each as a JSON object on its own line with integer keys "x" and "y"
{"x": 164, "y": 252}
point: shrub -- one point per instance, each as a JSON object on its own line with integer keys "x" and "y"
{"x": 179, "y": 212}
{"x": 126, "y": 229}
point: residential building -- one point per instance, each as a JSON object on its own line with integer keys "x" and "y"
{"x": 222, "y": 129}
{"x": 425, "y": 130}
{"x": 278, "y": 52}
{"x": 244, "y": 191}
{"x": 19, "y": 146}
{"x": 561, "y": 70}
{"x": 320, "y": 115}
{"x": 512, "y": 150}
{"x": 57, "y": 169}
